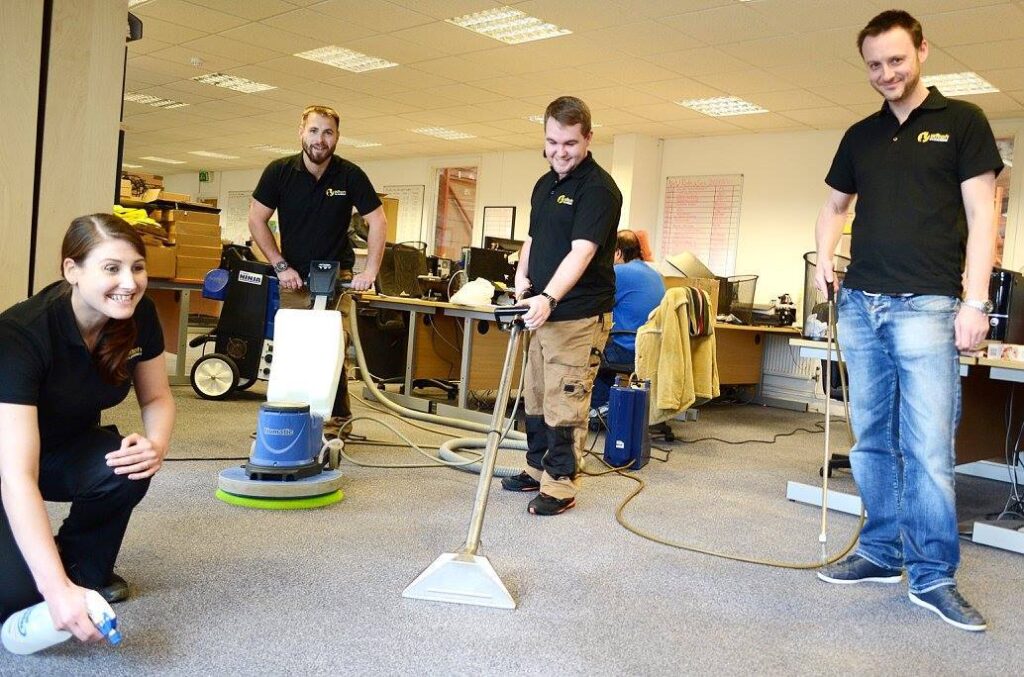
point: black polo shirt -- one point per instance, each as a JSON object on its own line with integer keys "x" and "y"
{"x": 313, "y": 215}
{"x": 585, "y": 205}
{"x": 910, "y": 229}
{"x": 44, "y": 362}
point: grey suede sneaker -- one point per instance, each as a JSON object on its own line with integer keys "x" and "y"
{"x": 950, "y": 606}
{"x": 856, "y": 569}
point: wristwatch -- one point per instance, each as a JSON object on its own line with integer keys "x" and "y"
{"x": 984, "y": 306}
{"x": 281, "y": 266}
{"x": 551, "y": 299}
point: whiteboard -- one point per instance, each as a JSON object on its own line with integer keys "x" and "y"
{"x": 235, "y": 224}
{"x": 410, "y": 210}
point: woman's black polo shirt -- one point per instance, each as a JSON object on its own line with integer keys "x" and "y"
{"x": 585, "y": 205}
{"x": 313, "y": 215}
{"x": 44, "y": 362}
{"x": 910, "y": 230}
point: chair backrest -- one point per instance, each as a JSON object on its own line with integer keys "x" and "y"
{"x": 400, "y": 268}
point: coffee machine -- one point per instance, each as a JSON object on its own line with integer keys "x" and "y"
{"x": 1006, "y": 289}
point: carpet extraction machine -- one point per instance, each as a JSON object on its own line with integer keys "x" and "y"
{"x": 291, "y": 465}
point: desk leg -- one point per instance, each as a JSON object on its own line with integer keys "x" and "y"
{"x": 410, "y": 354}
{"x": 467, "y": 358}
{"x": 179, "y": 378}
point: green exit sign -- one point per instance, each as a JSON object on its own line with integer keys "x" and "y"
{"x": 204, "y": 176}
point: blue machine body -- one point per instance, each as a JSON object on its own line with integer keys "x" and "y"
{"x": 628, "y": 440}
{"x": 288, "y": 442}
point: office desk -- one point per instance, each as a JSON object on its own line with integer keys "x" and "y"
{"x": 740, "y": 350}
{"x": 173, "y": 314}
{"x": 422, "y": 361}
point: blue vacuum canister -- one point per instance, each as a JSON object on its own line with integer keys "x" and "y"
{"x": 628, "y": 440}
{"x": 288, "y": 443}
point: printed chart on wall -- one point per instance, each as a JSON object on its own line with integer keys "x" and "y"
{"x": 410, "y": 210}
{"x": 702, "y": 216}
{"x": 236, "y": 216}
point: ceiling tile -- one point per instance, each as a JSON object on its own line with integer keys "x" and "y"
{"x": 1003, "y": 21}
{"x": 827, "y": 117}
{"x": 792, "y": 99}
{"x": 379, "y": 16}
{"x": 309, "y": 23}
{"x": 272, "y": 38}
{"x": 821, "y": 74}
{"x": 735, "y": 22}
{"x": 630, "y": 70}
{"x": 189, "y": 14}
{"x": 699, "y": 61}
{"x": 253, "y": 10}
{"x": 996, "y": 54}
{"x": 227, "y": 48}
{"x": 746, "y": 81}
{"x": 446, "y": 37}
{"x": 643, "y": 38}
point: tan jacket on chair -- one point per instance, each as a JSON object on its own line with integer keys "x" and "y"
{"x": 680, "y": 368}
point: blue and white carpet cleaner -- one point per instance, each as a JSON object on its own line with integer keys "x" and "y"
{"x": 465, "y": 577}
{"x": 291, "y": 465}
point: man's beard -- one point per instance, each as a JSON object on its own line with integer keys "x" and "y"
{"x": 317, "y": 157}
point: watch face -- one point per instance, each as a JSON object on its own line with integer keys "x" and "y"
{"x": 280, "y": 266}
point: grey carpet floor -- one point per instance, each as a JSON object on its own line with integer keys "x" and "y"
{"x": 227, "y": 589}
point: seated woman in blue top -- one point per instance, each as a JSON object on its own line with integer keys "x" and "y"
{"x": 67, "y": 353}
{"x": 638, "y": 290}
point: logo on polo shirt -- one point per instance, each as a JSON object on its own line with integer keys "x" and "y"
{"x": 925, "y": 137}
{"x": 332, "y": 193}
{"x": 134, "y": 352}
{"x": 564, "y": 200}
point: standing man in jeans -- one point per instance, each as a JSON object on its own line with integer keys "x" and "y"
{"x": 923, "y": 169}
{"x": 314, "y": 194}
{"x": 565, "y": 277}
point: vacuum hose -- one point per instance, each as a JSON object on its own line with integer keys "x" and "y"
{"x": 512, "y": 440}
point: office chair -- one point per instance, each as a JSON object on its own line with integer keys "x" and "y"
{"x": 662, "y": 430}
{"x": 400, "y": 268}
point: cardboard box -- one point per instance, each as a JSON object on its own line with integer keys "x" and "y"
{"x": 161, "y": 261}
{"x": 185, "y": 229}
{"x": 186, "y": 215}
{"x": 200, "y": 241}
{"x": 175, "y": 197}
{"x": 198, "y": 251}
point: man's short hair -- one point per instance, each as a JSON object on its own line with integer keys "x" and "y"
{"x": 628, "y": 245}
{"x": 325, "y": 111}
{"x": 569, "y": 111}
{"x": 888, "y": 20}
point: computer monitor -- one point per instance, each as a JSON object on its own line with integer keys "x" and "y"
{"x": 490, "y": 264}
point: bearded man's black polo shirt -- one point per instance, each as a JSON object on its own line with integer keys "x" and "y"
{"x": 585, "y": 205}
{"x": 313, "y": 215}
{"x": 910, "y": 228}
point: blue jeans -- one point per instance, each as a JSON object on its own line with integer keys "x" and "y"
{"x": 905, "y": 405}
{"x": 603, "y": 382}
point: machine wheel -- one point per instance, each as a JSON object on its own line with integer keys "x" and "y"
{"x": 214, "y": 376}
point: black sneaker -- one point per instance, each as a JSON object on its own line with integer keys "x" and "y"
{"x": 856, "y": 569}
{"x": 548, "y": 505}
{"x": 949, "y": 604}
{"x": 115, "y": 591}
{"x": 521, "y": 482}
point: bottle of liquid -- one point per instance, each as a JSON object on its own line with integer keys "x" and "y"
{"x": 31, "y": 630}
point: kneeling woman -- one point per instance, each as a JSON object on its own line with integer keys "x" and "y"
{"x": 67, "y": 353}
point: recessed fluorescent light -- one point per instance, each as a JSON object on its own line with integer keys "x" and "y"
{"x": 722, "y": 106}
{"x": 346, "y": 59}
{"x": 125, "y": 165}
{"x": 280, "y": 150}
{"x": 358, "y": 143}
{"x": 166, "y": 161}
{"x": 136, "y": 3}
{"x": 442, "y": 133}
{"x": 959, "y": 84}
{"x": 207, "y": 153}
{"x": 233, "y": 82}
{"x": 508, "y": 25}
{"x": 154, "y": 101}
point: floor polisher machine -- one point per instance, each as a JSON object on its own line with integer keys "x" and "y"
{"x": 291, "y": 464}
